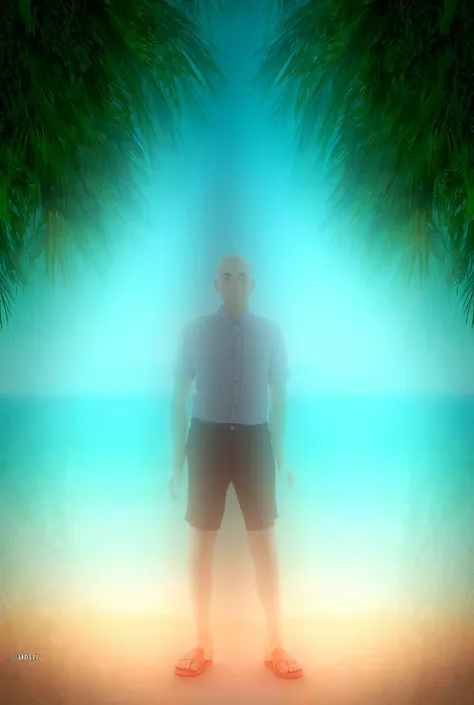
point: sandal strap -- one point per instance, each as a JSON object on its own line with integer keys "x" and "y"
{"x": 196, "y": 654}
{"x": 280, "y": 656}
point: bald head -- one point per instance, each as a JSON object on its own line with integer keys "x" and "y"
{"x": 234, "y": 282}
{"x": 232, "y": 263}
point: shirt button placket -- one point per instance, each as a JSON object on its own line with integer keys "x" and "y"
{"x": 238, "y": 367}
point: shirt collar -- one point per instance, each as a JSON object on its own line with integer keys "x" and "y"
{"x": 225, "y": 316}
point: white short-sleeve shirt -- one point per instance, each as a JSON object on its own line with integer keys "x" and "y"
{"x": 232, "y": 361}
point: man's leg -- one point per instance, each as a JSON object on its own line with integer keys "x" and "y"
{"x": 265, "y": 557}
{"x": 208, "y": 480}
{"x": 254, "y": 482}
{"x": 201, "y": 555}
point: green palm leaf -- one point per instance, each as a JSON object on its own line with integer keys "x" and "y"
{"x": 87, "y": 88}
{"x": 387, "y": 91}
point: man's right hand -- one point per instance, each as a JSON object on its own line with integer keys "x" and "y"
{"x": 176, "y": 477}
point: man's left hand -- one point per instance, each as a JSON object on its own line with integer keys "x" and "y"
{"x": 286, "y": 475}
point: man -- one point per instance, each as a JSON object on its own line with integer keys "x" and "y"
{"x": 234, "y": 357}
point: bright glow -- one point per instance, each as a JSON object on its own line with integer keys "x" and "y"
{"x": 380, "y": 419}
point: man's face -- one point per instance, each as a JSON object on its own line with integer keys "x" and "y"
{"x": 234, "y": 281}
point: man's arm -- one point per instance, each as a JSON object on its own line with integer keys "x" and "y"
{"x": 279, "y": 374}
{"x": 184, "y": 371}
{"x": 278, "y": 412}
{"x": 179, "y": 420}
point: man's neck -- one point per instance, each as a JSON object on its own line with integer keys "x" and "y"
{"x": 234, "y": 313}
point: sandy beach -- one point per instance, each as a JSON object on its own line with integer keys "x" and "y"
{"x": 129, "y": 659}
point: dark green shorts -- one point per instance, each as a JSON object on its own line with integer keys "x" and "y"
{"x": 221, "y": 454}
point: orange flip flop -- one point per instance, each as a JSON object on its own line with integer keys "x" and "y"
{"x": 197, "y": 655}
{"x": 279, "y": 656}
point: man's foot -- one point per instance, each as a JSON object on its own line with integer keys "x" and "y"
{"x": 282, "y": 664}
{"x": 195, "y": 662}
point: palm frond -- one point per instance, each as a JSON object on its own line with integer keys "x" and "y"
{"x": 386, "y": 91}
{"x": 87, "y": 87}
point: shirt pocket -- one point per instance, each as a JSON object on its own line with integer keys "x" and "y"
{"x": 257, "y": 357}
{"x": 213, "y": 360}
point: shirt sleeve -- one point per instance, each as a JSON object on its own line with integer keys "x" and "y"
{"x": 184, "y": 367}
{"x": 279, "y": 365}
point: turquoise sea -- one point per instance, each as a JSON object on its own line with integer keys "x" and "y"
{"x": 39, "y": 429}
{"x": 383, "y": 484}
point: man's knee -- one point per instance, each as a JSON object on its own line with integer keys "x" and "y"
{"x": 202, "y": 544}
{"x": 262, "y": 543}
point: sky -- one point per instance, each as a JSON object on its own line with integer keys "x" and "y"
{"x": 113, "y": 329}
